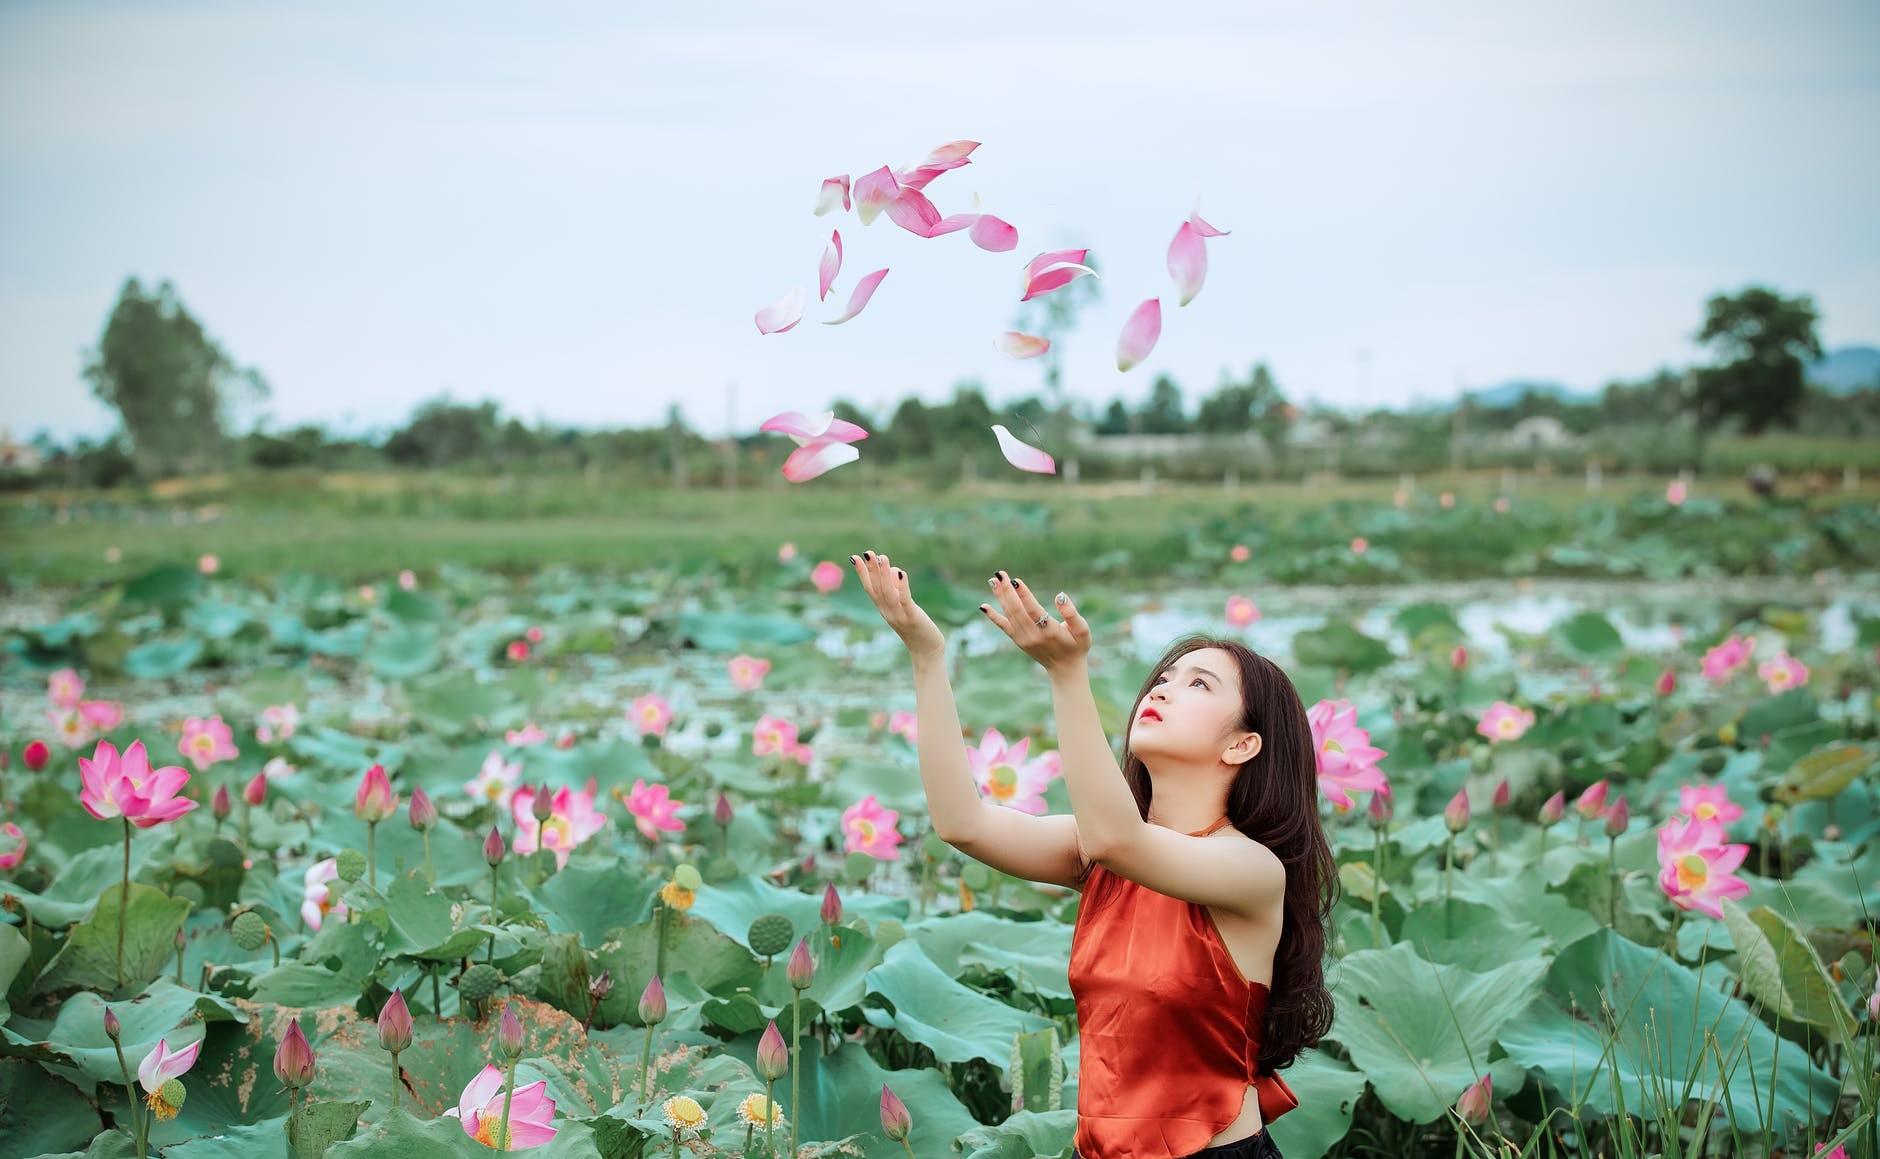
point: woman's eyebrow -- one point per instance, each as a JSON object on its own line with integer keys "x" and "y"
{"x": 1202, "y": 671}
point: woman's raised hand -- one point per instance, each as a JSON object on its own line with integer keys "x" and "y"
{"x": 887, "y": 586}
{"x": 1052, "y": 642}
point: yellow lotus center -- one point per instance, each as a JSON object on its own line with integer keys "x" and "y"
{"x": 1704, "y": 811}
{"x": 1509, "y": 726}
{"x": 488, "y": 1127}
{"x": 205, "y": 744}
{"x": 1693, "y": 871}
{"x": 1332, "y": 746}
{"x": 1779, "y": 676}
{"x": 493, "y": 789}
{"x": 159, "y": 1105}
{"x": 556, "y": 832}
{"x": 866, "y": 828}
{"x": 1003, "y": 782}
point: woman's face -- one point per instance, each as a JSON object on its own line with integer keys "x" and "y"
{"x": 1197, "y": 700}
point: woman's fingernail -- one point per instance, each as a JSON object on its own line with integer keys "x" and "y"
{"x": 982, "y": 607}
{"x": 993, "y": 582}
{"x": 868, "y": 555}
{"x": 1061, "y": 597}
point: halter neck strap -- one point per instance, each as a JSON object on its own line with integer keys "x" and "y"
{"x": 1210, "y": 829}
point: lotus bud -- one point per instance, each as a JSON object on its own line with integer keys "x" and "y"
{"x": 600, "y": 986}
{"x": 1382, "y": 807}
{"x": 721, "y": 812}
{"x": 220, "y": 805}
{"x": 293, "y": 1059}
{"x": 802, "y": 968}
{"x": 1477, "y": 1101}
{"x": 831, "y": 905}
{"x": 375, "y": 799}
{"x": 1459, "y": 658}
{"x": 1617, "y": 818}
{"x": 653, "y": 1002}
{"x": 1554, "y": 809}
{"x": 36, "y": 754}
{"x": 255, "y": 792}
{"x": 509, "y": 1033}
{"x": 1499, "y": 802}
{"x": 543, "y": 805}
{"x": 112, "y": 1028}
{"x": 493, "y": 848}
{"x": 422, "y": 813}
{"x": 1592, "y": 803}
{"x": 894, "y": 1117}
{"x": 773, "y": 1054}
{"x": 1456, "y": 813}
{"x": 1667, "y": 682}
{"x": 395, "y": 1023}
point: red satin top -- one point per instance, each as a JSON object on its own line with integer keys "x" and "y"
{"x": 1169, "y": 1026}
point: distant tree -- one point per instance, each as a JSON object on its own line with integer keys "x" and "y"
{"x": 442, "y": 432}
{"x": 1765, "y": 341}
{"x": 1115, "y": 420}
{"x": 170, "y": 383}
{"x": 1163, "y": 413}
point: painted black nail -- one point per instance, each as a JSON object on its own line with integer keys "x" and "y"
{"x": 899, "y": 574}
{"x": 868, "y": 555}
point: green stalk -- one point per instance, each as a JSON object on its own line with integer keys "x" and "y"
{"x": 494, "y": 871}
{"x": 372, "y": 856}
{"x": 430, "y": 875}
{"x": 124, "y": 901}
{"x": 1612, "y": 869}
{"x": 796, "y": 1066}
{"x": 1377, "y": 885}
{"x": 437, "y": 1002}
{"x": 770, "y": 1121}
{"x": 646, "y": 1057}
{"x": 248, "y": 812}
{"x": 509, "y": 1092}
{"x": 395, "y": 1083}
{"x": 130, "y": 1091}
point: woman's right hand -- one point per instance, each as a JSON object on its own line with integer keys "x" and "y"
{"x": 887, "y": 586}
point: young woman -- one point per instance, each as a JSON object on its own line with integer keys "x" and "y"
{"x": 1207, "y": 880}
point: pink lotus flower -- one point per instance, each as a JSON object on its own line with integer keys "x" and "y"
{"x": 905, "y": 723}
{"x": 1347, "y": 762}
{"x": 71, "y": 727}
{"x": 859, "y": 296}
{"x": 1139, "y": 335}
{"x": 319, "y": 900}
{"x": 1722, "y": 661}
{"x": 1591, "y": 803}
{"x": 375, "y": 800}
{"x": 1501, "y": 505}
{"x": 1447, "y": 499}
{"x": 1021, "y": 454}
{"x": 102, "y": 715}
{"x": 747, "y": 672}
{"x": 65, "y": 688}
{"x": 1359, "y": 545}
{"x": 1004, "y": 775}
{"x": 1239, "y": 553}
{"x": 1783, "y": 673}
{"x": 772, "y": 734}
{"x": 1696, "y": 865}
{"x": 1675, "y": 492}
{"x": 208, "y": 564}
{"x": 826, "y": 576}
{"x": 408, "y": 579}
{"x": 128, "y": 787}
{"x": 278, "y": 722}
{"x": 160, "y": 1066}
{"x": 823, "y": 442}
{"x": 1504, "y": 721}
{"x": 496, "y": 780}
{"x": 1709, "y": 802}
{"x": 572, "y": 820}
{"x": 653, "y": 809}
{"x": 1051, "y": 270}
{"x": 1456, "y": 813}
{"x": 529, "y": 734}
{"x": 802, "y": 754}
{"x": 480, "y": 1109}
{"x": 651, "y": 714}
{"x": 207, "y": 742}
{"x": 829, "y": 266}
{"x": 12, "y": 845}
{"x": 36, "y": 754}
{"x": 1554, "y": 809}
{"x": 518, "y": 650}
{"x": 869, "y": 828}
{"x": 786, "y": 553}
{"x": 1241, "y": 611}
{"x": 781, "y": 316}
{"x": 1477, "y": 1101}
{"x": 1667, "y": 682}
{"x": 833, "y": 190}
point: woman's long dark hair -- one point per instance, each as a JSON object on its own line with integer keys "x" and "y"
{"x": 1274, "y": 800}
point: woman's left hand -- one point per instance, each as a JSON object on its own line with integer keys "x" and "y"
{"x": 1056, "y": 644}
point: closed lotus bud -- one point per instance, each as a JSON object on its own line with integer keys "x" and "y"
{"x": 1555, "y": 808}
{"x": 1459, "y": 659}
{"x": 721, "y": 812}
{"x": 894, "y": 1117}
{"x": 422, "y": 813}
{"x": 293, "y": 1059}
{"x": 509, "y": 1033}
{"x": 1617, "y": 818}
{"x": 1667, "y": 682}
{"x": 375, "y": 800}
{"x": 653, "y": 1002}
{"x": 1456, "y": 813}
{"x": 831, "y": 905}
{"x": 543, "y": 805}
{"x": 1592, "y": 803}
{"x": 601, "y": 985}
{"x": 255, "y": 792}
{"x": 395, "y": 1023}
{"x": 493, "y": 847}
{"x": 773, "y": 1054}
{"x": 112, "y": 1028}
{"x": 1381, "y": 807}
{"x": 36, "y": 754}
{"x": 220, "y": 805}
{"x": 1499, "y": 802}
{"x": 802, "y": 968}
{"x": 1476, "y": 1102}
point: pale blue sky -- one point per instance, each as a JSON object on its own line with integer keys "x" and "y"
{"x": 576, "y": 210}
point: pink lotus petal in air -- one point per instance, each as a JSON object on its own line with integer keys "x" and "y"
{"x": 806, "y": 429}
{"x": 812, "y": 459}
{"x": 831, "y": 264}
{"x": 994, "y": 235}
{"x": 1051, "y": 258}
{"x": 914, "y": 213}
{"x": 952, "y": 155}
{"x": 874, "y": 192}
{"x": 864, "y": 290}
{"x": 1054, "y": 276}
{"x": 1139, "y": 334}
{"x": 833, "y": 189}
{"x": 1188, "y": 261}
{"x": 954, "y": 222}
{"x": 785, "y": 313}
{"x": 1016, "y": 344}
{"x": 1202, "y": 227}
{"x": 1024, "y": 456}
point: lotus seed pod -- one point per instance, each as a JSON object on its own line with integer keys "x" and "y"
{"x": 249, "y": 930}
{"x": 770, "y": 935}
{"x": 479, "y": 982}
{"x": 351, "y": 864}
{"x": 172, "y": 1094}
{"x": 687, "y": 876}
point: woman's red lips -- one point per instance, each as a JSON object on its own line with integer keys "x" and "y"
{"x": 1149, "y": 712}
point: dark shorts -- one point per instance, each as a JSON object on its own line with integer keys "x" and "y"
{"x": 1258, "y": 1145}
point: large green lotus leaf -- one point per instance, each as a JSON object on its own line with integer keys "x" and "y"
{"x": 954, "y": 1021}
{"x": 737, "y": 631}
{"x": 1523, "y": 897}
{"x": 841, "y": 1096}
{"x": 419, "y": 922}
{"x": 39, "y": 1113}
{"x": 216, "y": 619}
{"x": 415, "y": 606}
{"x": 398, "y": 1133}
{"x": 1665, "y": 1017}
{"x": 455, "y": 702}
{"x": 1421, "y": 1031}
{"x": 238, "y": 1142}
{"x": 592, "y": 898}
{"x": 404, "y": 650}
{"x": 73, "y": 1045}
{"x": 1024, "y": 1135}
{"x": 348, "y": 641}
{"x": 1781, "y": 968}
{"x": 1589, "y": 634}
{"x": 611, "y": 763}
{"x": 1328, "y": 1093}
{"x": 344, "y": 753}
{"x": 1470, "y": 934}
{"x": 1035, "y": 955}
{"x": 1339, "y": 645}
{"x": 735, "y": 904}
{"x": 89, "y": 956}
{"x": 15, "y": 953}
{"x": 1775, "y": 713}
{"x": 1823, "y": 773}
{"x": 839, "y": 982}
{"x": 158, "y": 659}
{"x": 170, "y": 585}
{"x": 715, "y": 964}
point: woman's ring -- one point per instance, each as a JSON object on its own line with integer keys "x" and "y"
{"x": 1043, "y": 620}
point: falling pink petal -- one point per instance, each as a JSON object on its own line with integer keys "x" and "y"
{"x": 833, "y": 189}
{"x": 1188, "y": 261}
{"x": 1051, "y": 258}
{"x": 1054, "y": 276}
{"x": 1024, "y": 456}
{"x": 994, "y": 235}
{"x": 1202, "y": 227}
{"x": 831, "y": 264}
{"x": 787, "y": 312}
{"x": 1021, "y": 345}
{"x": 914, "y": 213}
{"x": 874, "y": 192}
{"x": 864, "y": 290}
{"x": 812, "y": 459}
{"x": 951, "y": 155}
{"x": 954, "y": 222}
{"x": 813, "y": 428}
{"x": 1139, "y": 334}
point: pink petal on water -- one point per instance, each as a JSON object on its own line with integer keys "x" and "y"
{"x": 1017, "y": 344}
{"x": 786, "y": 312}
{"x": 874, "y": 192}
{"x": 831, "y": 264}
{"x": 1139, "y": 334}
{"x": 1054, "y": 276}
{"x": 914, "y": 213}
{"x": 1024, "y": 456}
{"x": 864, "y": 290}
{"x": 812, "y": 459}
{"x": 994, "y": 235}
{"x": 1188, "y": 261}
{"x": 833, "y": 189}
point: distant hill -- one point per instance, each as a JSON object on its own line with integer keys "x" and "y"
{"x": 1842, "y": 371}
{"x": 1509, "y": 393}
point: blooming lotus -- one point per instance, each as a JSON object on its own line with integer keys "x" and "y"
{"x": 496, "y": 780}
{"x": 1504, "y": 721}
{"x": 159, "y": 1068}
{"x": 278, "y": 722}
{"x": 773, "y": 734}
{"x": 651, "y": 714}
{"x": 1347, "y": 761}
{"x": 1722, "y": 661}
{"x": 747, "y": 672}
{"x": 572, "y": 819}
{"x": 480, "y": 1108}
{"x": 1241, "y": 611}
{"x": 826, "y": 576}
{"x": 1005, "y": 776}
{"x": 653, "y": 809}
{"x": 1675, "y": 492}
{"x": 1239, "y": 553}
{"x": 1783, "y": 673}
{"x": 786, "y": 552}
{"x": 65, "y": 688}
{"x": 128, "y": 787}
{"x": 529, "y": 734}
{"x": 318, "y": 901}
{"x": 12, "y": 845}
{"x": 1696, "y": 865}
{"x": 71, "y": 727}
{"x": 1708, "y": 802}
{"x": 869, "y": 828}
{"x": 207, "y": 742}
{"x": 408, "y": 579}
{"x": 1359, "y": 545}
{"x": 905, "y": 723}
